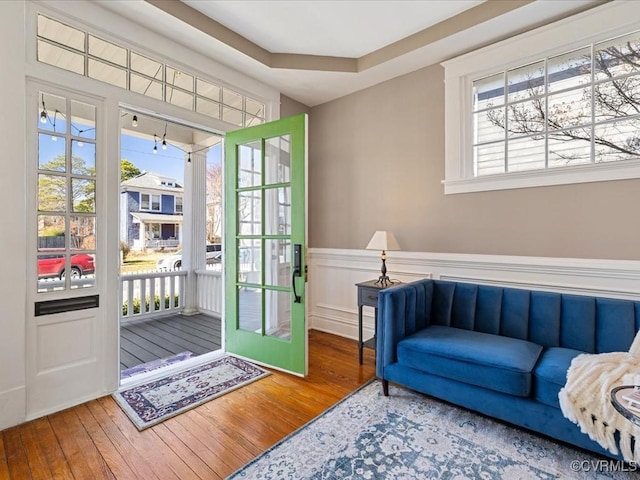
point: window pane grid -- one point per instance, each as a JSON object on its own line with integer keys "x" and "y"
{"x": 60, "y": 56}
{"x": 559, "y": 111}
{"x": 81, "y": 52}
{"x": 107, "y": 51}
{"x": 66, "y": 194}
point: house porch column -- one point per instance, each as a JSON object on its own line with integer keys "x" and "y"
{"x": 194, "y": 226}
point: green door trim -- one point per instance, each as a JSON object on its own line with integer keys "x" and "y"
{"x": 285, "y": 354}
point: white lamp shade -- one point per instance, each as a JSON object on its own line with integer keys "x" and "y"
{"x": 383, "y": 240}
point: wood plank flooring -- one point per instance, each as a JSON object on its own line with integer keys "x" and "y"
{"x": 143, "y": 341}
{"x": 96, "y": 440}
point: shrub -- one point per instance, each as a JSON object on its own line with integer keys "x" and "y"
{"x": 125, "y": 249}
{"x": 156, "y": 303}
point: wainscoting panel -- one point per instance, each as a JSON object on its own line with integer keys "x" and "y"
{"x": 333, "y": 273}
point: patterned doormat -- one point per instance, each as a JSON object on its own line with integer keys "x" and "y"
{"x": 153, "y": 402}
{"x": 412, "y": 436}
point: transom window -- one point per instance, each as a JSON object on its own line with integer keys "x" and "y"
{"x": 575, "y": 108}
{"x": 83, "y": 53}
{"x": 556, "y": 105}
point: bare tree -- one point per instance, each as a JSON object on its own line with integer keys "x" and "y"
{"x": 214, "y": 203}
{"x": 616, "y": 97}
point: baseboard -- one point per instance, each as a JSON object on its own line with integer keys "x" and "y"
{"x": 12, "y": 407}
{"x": 64, "y": 405}
{"x": 341, "y": 326}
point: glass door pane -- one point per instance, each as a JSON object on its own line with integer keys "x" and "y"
{"x": 66, "y": 194}
{"x": 265, "y": 220}
{"x": 264, "y": 233}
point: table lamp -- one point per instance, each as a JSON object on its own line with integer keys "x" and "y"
{"x": 384, "y": 241}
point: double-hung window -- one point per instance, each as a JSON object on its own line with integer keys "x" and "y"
{"x": 149, "y": 202}
{"x": 566, "y": 114}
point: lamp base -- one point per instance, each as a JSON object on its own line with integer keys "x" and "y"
{"x": 383, "y": 281}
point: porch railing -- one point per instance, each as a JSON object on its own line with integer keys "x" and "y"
{"x": 209, "y": 284}
{"x": 146, "y": 294}
{"x": 161, "y": 244}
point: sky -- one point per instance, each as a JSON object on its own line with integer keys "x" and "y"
{"x": 169, "y": 162}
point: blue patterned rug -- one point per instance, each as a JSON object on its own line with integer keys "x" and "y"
{"x": 411, "y": 436}
{"x": 155, "y": 364}
{"x": 153, "y": 402}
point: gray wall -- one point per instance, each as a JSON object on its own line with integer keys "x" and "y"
{"x": 376, "y": 161}
{"x": 288, "y": 107}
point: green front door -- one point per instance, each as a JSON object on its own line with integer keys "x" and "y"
{"x": 265, "y": 241}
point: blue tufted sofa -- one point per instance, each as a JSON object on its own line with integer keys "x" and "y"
{"x": 503, "y": 352}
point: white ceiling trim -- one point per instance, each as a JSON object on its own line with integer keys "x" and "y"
{"x": 316, "y": 87}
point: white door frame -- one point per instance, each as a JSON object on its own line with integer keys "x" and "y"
{"x": 70, "y": 355}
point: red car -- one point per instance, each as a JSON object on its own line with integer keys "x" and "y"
{"x": 50, "y": 266}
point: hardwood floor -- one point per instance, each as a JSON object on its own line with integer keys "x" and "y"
{"x": 96, "y": 440}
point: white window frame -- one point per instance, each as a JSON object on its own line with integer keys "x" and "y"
{"x": 175, "y": 204}
{"x": 150, "y": 202}
{"x": 34, "y": 99}
{"x": 602, "y": 23}
{"x": 127, "y": 34}
{"x": 226, "y": 103}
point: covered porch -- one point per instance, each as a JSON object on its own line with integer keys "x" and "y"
{"x": 157, "y": 327}
{"x": 170, "y": 312}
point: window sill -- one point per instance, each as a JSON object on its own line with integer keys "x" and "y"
{"x": 621, "y": 170}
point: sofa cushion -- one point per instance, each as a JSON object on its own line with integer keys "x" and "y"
{"x": 498, "y": 363}
{"x": 550, "y": 374}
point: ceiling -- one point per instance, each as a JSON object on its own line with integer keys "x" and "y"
{"x": 315, "y": 51}
{"x": 334, "y": 28}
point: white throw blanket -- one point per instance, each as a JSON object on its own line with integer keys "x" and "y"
{"x": 586, "y": 398}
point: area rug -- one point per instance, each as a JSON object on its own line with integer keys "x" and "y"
{"x": 155, "y": 364}
{"x": 153, "y": 402}
{"x": 411, "y": 436}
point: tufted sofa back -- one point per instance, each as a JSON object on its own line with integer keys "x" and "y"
{"x": 589, "y": 324}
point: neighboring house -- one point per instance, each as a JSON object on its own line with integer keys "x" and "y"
{"x": 151, "y": 212}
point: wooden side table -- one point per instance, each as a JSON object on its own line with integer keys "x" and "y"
{"x": 368, "y": 297}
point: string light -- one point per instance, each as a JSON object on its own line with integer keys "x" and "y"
{"x": 44, "y": 117}
{"x": 55, "y": 115}
{"x": 165, "y": 144}
{"x": 43, "y": 114}
{"x": 164, "y": 138}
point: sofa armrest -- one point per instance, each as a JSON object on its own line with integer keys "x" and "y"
{"x": 402, "y": 311}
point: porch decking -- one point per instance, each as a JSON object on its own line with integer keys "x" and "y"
{"x": 146, "y": 340}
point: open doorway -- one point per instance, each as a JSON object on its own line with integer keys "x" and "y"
{"x": 171, "y": 258}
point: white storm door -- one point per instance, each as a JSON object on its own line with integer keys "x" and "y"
{"x": 69, "y": 353}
